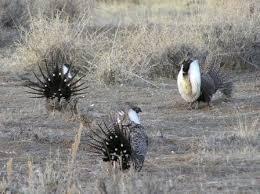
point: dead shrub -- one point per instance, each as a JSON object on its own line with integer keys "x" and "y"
{"x": 71, "y": 9}
{"x": 130, "y": 52}
{"x": 13, "y": 13}
{"x": 229, "y": 47}
{"x": 51, "y": 40}
{"x": 215, "y": 34}
{"x": 16, "y": 13}
{"x": 7, "y": 36}
{"x": 167, "y": 63}
{"x": 121, "y": 1}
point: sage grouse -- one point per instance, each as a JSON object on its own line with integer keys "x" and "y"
{"x": 123, "y": 143}
{"x": 58, "y": 87}
{"x": 195, "y": 86}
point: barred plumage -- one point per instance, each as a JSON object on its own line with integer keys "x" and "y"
{"x": 195, "y": 87}
{"x": 57, "y": 86}
{"x": 139, "y": 145}
{"x": 123, "y": 143}
{"x": 212, "y": 81}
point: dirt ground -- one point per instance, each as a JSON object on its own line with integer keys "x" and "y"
{"x": 204, "y": 150}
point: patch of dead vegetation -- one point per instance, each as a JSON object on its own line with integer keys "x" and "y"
{"x": 52, "y": 40}
{"x": 225, "y": 33}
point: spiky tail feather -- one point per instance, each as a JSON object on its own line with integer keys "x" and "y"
{"x": 227, "y": 89}
{"x": 112, "y": 143}
{"x": 56, "y": 84}
{"x": 221, "y": 80}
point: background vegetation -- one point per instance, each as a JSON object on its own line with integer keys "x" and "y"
{"x": 114, "y": 41}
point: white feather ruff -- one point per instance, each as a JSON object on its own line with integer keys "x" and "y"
{"x": 191, "y": 93}
{"x": 133, "y": 116}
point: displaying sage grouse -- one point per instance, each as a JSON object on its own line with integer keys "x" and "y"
{"x": 195, "y": 86}
{"x": 58, "y": 86}
{"x": 123, "y": 143}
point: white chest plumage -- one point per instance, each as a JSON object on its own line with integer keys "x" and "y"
{"x": 189, "y": 85}
{"x": 133, "y": 116}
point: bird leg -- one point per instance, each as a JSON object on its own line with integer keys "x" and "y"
{"x": 191, "y": 106}
{"x": 209, "y": 105}
{"x": 196, "y": 105}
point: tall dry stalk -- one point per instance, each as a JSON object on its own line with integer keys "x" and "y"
{"x": 10, "y": 170}
{"x": 74, "y": 150}
{"x": 30, "y": 174}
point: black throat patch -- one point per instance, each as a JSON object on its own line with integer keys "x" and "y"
{"x": 137, "y": 109}
{"x": 186, "y": 66}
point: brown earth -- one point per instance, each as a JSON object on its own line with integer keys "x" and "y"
{"x": 204, "y": 150}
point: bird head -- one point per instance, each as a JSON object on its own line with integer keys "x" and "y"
{"x": 185, "y": 65}
{"x": 137, "y": 109}
{"x": 133, "y": 114}
{"x": 130, "y": 113}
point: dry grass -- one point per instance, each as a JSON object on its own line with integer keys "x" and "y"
{"x": 13, "y": 13}
{"x": 199, "y": 151}
{"x": 48, "y": 39}
{"x": 247, "y": 128}
{"x": 18, "y": 13}
{"x": 54, "y": 177}
{"x": 140, "y": 40}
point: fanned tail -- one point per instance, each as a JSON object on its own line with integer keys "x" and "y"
{"x": 55, "y": 84}
{"x": 227, "y": 89}
{"x": 112, "y": 143}
{"x": 221, "y": 80}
